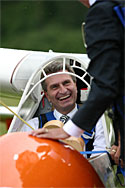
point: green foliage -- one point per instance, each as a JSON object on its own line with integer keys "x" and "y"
{"x": 3, "y": 128}
{"x": 120, "y": 180}
{"x": 42, "y": 25}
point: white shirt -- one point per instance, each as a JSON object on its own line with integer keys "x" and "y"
{"x": 57, "y": 114}
{"x": 99, "y": 141}
{"x": 34, "y": 123}
{"x": 91, "y": 2}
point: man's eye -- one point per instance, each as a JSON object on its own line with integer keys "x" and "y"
{"x": 67, "y": 82}
{"x": 54, "y": 87}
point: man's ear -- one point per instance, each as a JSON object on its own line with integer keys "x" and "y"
{"x": 76, "y": 87}
{"x": 47, "y": 96}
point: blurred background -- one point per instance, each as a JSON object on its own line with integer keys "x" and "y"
{"x": 40, "y": 25}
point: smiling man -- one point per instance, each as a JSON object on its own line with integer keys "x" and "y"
{"x": 61, "y": 91}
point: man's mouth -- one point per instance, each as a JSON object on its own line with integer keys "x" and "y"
{"x": 64, "y": 97}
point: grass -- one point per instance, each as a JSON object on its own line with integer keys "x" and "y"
{"x": 3, "y": 128}
{"x": 121, "y": 178}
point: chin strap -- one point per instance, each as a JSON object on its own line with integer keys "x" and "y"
{"x": 120, "y": 11}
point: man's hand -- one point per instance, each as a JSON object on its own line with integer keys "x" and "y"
{"x": 115, "y": 153}
{"x": 55, "y": 133}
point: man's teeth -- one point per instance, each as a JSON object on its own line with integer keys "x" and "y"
{"x": 61, "y": 98}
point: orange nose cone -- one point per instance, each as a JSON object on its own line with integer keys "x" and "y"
{"x": 26, "y": 161}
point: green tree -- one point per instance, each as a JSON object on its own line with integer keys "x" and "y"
{"x": 42, "y": 25}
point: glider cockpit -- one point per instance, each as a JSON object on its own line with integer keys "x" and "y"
{"x": 21, "y": 76}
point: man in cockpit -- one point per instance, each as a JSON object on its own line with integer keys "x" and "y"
{"x": 61, "y": 91}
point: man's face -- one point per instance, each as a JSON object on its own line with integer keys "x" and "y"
{"x": 61, "y": 92}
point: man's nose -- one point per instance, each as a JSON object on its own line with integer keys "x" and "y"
{"x": 62, "y": 89}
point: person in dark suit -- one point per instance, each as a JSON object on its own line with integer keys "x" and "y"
{"x": 104, "y": 35}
